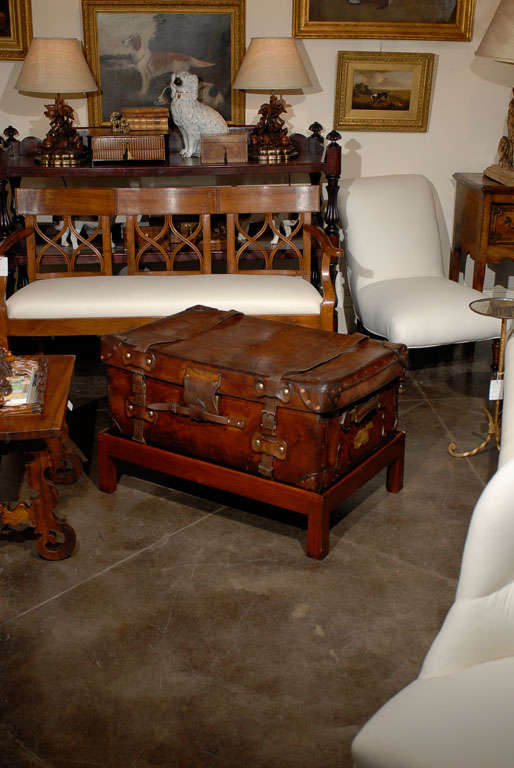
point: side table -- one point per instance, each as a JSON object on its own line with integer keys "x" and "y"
{"x": 503, "y": 308}
{"x": 483, "y": 226}
{"x": 47, "y": 461}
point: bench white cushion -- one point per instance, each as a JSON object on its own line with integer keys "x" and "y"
{"x": 423, "y": 312}
{"x": 161, "y": 295}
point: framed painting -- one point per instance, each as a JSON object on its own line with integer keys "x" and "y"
{"x": 15, "y": 28}
{"x": 133, "y": 47}
{"x": 384, "y": 19}
{"x": 383, "y": 91}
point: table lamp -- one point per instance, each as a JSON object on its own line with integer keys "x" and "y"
{"x": 57, "y": 66}
{"x": 271, "y": 64}
{"x": 498, "y": 43}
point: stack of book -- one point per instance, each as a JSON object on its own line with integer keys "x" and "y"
{"x": 147, "y": 118}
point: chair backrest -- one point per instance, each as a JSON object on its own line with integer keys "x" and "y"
{"x": 89, "y": 252}
{"x": 391, "y": 229}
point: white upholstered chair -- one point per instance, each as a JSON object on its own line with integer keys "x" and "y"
{"x": 459, "y": 712}
{"x": 395, "y": 265}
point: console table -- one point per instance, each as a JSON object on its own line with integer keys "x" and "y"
{"x": 48, "y": 461}
{"x": 17, "y": 162}
{"x": 484, "y": 224}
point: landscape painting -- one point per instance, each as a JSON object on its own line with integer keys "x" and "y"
{"x": 133, "y": 52}
{"x": 376, "y": 89}
{"x": 383, "y": 91}
{"x": 385, "y": 19}
{"x": 15, "y": 28}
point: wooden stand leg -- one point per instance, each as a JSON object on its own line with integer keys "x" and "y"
{"x": 318, "y": 529}
{"x": 394, "y": 477}
{"x": 107, "y": 473}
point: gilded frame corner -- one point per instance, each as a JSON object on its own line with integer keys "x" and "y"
{"x": 14, "y": 45}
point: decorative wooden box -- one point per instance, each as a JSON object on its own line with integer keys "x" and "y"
{"x": 107, "y": 146}
{"x": 225, "y": 148}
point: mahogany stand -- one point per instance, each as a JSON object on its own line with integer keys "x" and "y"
{"x": 317, "y": 506}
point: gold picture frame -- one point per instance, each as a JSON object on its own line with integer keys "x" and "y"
{"x": 130, "y": 44}
{"x": 383, "y": 91}
{"x": 15, "y": 29}
{"x": 378, "y": 19}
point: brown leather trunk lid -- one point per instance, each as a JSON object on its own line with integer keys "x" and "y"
{"x": 305, "y": 369}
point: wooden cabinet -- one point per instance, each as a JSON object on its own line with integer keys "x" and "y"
{"x": 484, "y": 225}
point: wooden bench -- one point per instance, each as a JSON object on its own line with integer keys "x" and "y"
{"x": 169, "y": 265}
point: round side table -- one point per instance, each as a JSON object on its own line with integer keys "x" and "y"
{"x": 502, "y": 308}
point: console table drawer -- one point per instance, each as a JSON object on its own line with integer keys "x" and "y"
{"x": 501, "y": 228}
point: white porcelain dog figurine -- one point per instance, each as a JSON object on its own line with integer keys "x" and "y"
{"x": 192, "y": 118}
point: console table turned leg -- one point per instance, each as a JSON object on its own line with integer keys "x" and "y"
{"x": 333, "y": 173}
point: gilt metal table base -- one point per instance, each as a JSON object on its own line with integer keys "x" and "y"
{"x": 502, "y": 308}
{"x": 494, "y": 429}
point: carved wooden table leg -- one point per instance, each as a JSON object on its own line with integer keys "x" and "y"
{"x": 56, "y": 538}
{"x": 66, "y": 466}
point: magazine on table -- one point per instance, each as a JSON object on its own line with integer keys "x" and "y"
{"x": 27, "y": 382}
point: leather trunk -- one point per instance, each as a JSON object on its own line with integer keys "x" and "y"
{"x": 297, "y": 405}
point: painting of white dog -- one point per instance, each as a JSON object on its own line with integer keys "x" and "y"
{"x": 192, "y": 118}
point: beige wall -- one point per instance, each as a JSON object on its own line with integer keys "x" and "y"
{"x": 469, "y": 98}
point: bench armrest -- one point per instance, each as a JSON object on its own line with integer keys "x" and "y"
{"x": 14, "y": 237}
{"x": 329, "y": 255}
{"x": 323, "y": 240}
{"x": 10, "y": 240}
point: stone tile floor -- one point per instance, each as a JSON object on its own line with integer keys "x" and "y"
{"x": 190, "y": 630}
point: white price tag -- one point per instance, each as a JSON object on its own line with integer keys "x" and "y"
{"x": 496, "y": 389}
{"x": 4, "y": 266}
{"x": 70, "y": 405}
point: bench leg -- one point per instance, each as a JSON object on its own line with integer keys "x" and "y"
{"x": 318, "y": 527}
{"x": 107, "y": 473}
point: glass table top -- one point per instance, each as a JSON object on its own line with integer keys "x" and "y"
{"x": 494, "y": 307}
